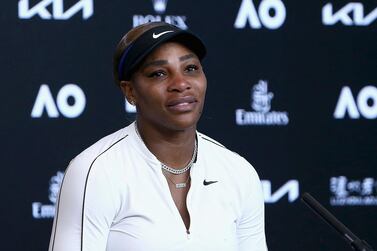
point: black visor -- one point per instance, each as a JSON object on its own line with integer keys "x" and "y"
{"x": 134, "y": 54}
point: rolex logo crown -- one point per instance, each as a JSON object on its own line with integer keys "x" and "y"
{"x": 159, "y": 5}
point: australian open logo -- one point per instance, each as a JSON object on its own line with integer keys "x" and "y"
{"x": 159, "y": 7}
{"x": 43, "y": 211}
{"x": 353, "y": 192}
{"x": 261, "y": 104}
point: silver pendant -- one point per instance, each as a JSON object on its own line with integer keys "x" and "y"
{"x": 180, "y": 185}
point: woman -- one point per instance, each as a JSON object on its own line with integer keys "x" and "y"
{"x": 158, "y": 184}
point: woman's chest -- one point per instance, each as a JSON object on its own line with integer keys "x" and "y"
{"x": 150, "y": 220}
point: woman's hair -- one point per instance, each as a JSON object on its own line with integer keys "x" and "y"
{"x": 126, "y": 40}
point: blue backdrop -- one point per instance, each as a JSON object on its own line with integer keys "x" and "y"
{"x": 292, "y": 86}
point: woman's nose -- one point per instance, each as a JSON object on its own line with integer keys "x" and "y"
{"x": 179, "y": 83}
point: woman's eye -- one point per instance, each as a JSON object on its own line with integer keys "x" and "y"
{"x": 156, "y": 74}
{"x": 192, "y": 68}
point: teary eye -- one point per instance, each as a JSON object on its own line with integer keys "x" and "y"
{"x": 156, "y": 74}
{"x": 192, "y": 67}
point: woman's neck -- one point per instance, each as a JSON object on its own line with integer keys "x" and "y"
{"x": 174, "y": 148}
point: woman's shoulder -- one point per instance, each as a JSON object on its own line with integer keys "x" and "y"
{"x": 227, "y": 162}
{"x": 209, "y": 140}
{"x": 213, "y": 146}
{"x": 103, "y": 146}
{"x": 221, "y": 153}
{"x": 95, "y": 156}
{"x": 105, "y": 143}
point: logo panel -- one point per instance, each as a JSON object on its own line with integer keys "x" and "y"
{"x": 271, "y": 14}
{"x": 353, "y": 192}
{"x": 352, "y": 14}
{"x": 159, "y": 7}
{"x": 363, "y": 106}
{"x": 262, "y": 114}
{"x": 290, "y": 188}
{"x": 62, "y": 105}
{"x": 25, "y": 11}
{"x": 47, "y": 211}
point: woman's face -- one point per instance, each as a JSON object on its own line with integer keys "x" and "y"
{"x": 169, "y": 88}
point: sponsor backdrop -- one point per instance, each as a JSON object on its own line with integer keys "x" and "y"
{"x": 292, "y": 88}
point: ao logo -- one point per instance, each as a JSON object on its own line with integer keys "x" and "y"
{"x": 248, "y": 13}
{"x": 58, "y": 13}
{"x": 346, "y": 103}
{"x": 45, "y": 101}
{"x": 350, "y": 14}
{"x": 291, "y": 188}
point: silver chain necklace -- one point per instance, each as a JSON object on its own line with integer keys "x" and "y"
{"x": 170, "y": 169}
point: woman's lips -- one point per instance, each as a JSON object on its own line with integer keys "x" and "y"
{"x": 183, "y": 104}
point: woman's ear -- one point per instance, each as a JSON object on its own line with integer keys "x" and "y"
{"x": 128, "y": 91}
